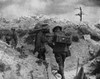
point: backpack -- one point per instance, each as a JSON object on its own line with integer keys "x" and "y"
{"x": 62, "y": 38}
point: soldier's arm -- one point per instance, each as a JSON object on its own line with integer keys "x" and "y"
{"x": 51, "y": 43}
{"x": 16, "y": 38}
{"x": 69, "y": 41}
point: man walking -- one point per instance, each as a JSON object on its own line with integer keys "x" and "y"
{"x": 60, "y": 45}
{"x": 40, "y": 41}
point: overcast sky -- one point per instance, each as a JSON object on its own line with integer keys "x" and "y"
{"x": 60, "y": 8}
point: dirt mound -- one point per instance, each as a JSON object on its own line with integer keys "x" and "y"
{"x": 12, "y": 67}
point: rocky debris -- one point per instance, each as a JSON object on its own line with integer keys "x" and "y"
{"x": 78, "y": 50}
{"x": 92, "y": 66}
{"x": 12, "y": 67}
{"x": 81, "y": 50}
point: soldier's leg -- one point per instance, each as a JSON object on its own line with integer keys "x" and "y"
{"x": 61, "y": 64}
{"x": 41, "y": 54}
{"x": 40, "y": 58}
{"x": 64, "y": 55}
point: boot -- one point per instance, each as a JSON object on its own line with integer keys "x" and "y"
{"x": 61, "y": 71}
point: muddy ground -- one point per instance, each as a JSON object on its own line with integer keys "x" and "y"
{"x": 27, "y": 68}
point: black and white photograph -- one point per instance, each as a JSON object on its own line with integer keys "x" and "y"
{"x": 49, "y": 39}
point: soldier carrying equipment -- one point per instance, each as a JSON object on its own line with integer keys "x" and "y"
{"x": 40, "y": 40}
{"x": 60, "y": 45}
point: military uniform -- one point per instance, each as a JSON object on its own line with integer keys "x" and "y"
{"x": 14, "y": 38}
{"x": 40, "y": 40}
{"x": 40, "y": 45}
{"x": 60, "y": 50}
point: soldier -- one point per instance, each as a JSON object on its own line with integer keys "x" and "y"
{"x": 40, "y": 41}
{"x": 11, "y": 38}
{"x": 14, "y": 38}
{"x": 8, "y": 39}
{"x": 60, "y": 48}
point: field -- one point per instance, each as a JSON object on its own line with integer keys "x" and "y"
{"x": 27, "y": 68}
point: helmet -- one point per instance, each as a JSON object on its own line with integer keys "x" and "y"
{"x": 41, "y": 26}
{"x": 44, "y": 27}
{"x": 56, "y": 27}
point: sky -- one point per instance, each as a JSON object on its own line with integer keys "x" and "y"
{"x": 59, "y": 8}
